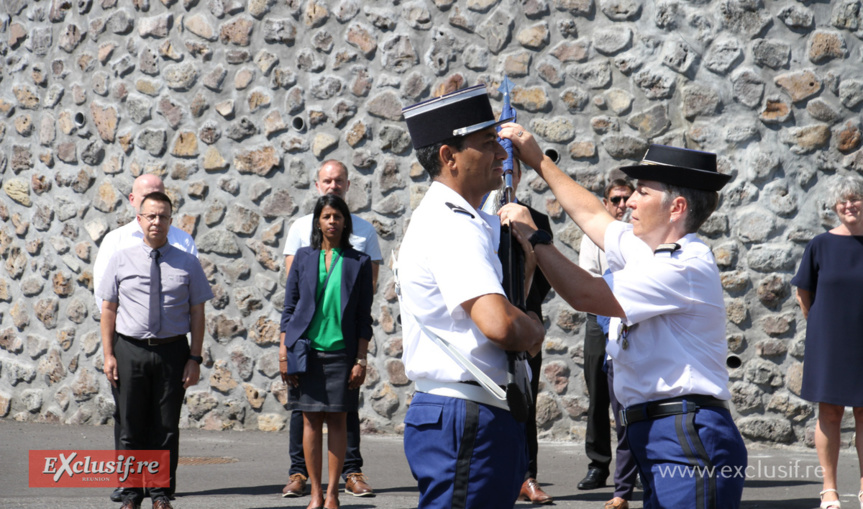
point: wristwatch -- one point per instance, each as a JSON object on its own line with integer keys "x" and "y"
{"x": 196, "y": 358}
{"x": 539, "y": 237}
{"x": 362, "y": 362}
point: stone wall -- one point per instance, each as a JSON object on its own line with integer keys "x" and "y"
{"x": 236, "y": 102}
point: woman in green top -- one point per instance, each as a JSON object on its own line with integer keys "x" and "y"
{"x": 328, "y": 300}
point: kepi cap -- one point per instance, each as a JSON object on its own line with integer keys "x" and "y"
{"x": 458, "y": 113}
{"x": 679, "y": 167}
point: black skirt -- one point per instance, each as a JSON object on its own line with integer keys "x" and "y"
{"x": 324, "y": 385}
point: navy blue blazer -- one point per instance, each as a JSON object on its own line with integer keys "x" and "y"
{"x": 301, "y": 291}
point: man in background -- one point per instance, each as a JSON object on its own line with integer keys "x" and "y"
{"x": 530, "y": 488}
{"x": 597, "y": 440}
{"x": 153, "y": 298}
{"x": 592, "y": 259}
{"x": 127, "y": 236}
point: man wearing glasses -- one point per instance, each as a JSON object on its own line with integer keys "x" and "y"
{"x": 597, "y": 440}
{"x": 153, "y": 297}
{"x": 127, "y": 236}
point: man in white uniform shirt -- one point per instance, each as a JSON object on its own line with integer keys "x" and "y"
{"x": 667, "y": 334}
{"x": 124, "y": 237}
{"x": 332, "y": 179}
{"x": 463, "y": 446}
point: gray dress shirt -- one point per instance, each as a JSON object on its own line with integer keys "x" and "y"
{"x": 127, "y": 282}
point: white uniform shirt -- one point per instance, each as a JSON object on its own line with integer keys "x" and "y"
{"x": 449, "y": 256}
{"x": 130, "y": 235}
{"x": 675, "y": 345}
{"x": 591, "y": 258}
{"x": 364, "y": 237}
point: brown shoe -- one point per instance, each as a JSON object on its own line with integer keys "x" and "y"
{"x": 296, "y": 486}
{"x": 616, "y": 503}
{"x": 162, "y": 503}
{"x": 130, "y": 504}
{"x": 358, "y": 486}
{"x": 531, "y": 491}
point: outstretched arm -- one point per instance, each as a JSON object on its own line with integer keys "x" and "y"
{"x": 580, "y": 204}
{"x": 575, "y": 285}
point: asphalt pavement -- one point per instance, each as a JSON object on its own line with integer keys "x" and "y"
{"x": 247, "y": 469}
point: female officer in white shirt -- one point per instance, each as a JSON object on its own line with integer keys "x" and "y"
{"x": 668, "y": 335}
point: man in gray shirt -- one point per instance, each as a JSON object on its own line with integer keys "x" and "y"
{"x": 153, "y": 296}
{"x": 130, "y": 235}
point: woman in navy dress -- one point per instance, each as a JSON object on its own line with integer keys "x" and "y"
{"x": 328, "y": 298}
{"x": 830, "y": 292}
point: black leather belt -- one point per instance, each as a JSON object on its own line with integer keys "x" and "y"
{"x": 666, "y": 407}
{"x": 153, "y": 341}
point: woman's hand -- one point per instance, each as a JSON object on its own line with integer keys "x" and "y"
{"x": 358, "y": 376}
{"x": 518, "y": 218}
{"x": 290, "y": 380}
{"x": 524, "y": 145}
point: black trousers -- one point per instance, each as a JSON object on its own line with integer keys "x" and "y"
{"x": 530, "y": 426}
{"x": 597, "y": 440}
{"x": 149, "y": 396}
{"x": 353, "y": 458}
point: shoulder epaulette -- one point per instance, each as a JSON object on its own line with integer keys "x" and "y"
{"x": 667, "y": 248}
{"x": 458, "y": 210}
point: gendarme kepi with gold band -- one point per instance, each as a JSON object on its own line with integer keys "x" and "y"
{"x": 459, "y": 113}
{"x": 679, "y": 167}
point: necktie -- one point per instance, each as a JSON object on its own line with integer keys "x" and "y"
{"x": 154, "y": 322}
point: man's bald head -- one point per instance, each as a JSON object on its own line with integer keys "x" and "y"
{"x": 333, "y": 179}
{"x": 144, "y": 185}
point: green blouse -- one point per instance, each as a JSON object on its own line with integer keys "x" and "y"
{"x": 325, "y": 331}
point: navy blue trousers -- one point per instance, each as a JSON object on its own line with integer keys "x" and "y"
{"x": 695, "y": 460}
{"x": 464, "y": 454}
{"x": 597, "y": 438}
{"x": 625, "y": 469}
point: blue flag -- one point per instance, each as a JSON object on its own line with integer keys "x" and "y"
{"x": 507, "y": 112}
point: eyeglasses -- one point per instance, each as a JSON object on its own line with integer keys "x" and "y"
{"x": 151, "y": 218}
{"x": 616, "y": 199}
{"x": 850, "y": 199}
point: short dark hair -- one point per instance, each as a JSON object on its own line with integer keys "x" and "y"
{"x": 331, "y": 200}
{"x": 618, "y": 183}
{"x": 157, "y": 196}
{"x": 701, "y": 204}
{"x": 428, "y": 156}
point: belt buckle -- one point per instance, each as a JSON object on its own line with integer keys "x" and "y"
{"x": 623, "y": 417}
{"x": 151, "y": 343}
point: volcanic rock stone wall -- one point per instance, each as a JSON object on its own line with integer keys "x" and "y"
{"x": 235, "y": 103}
